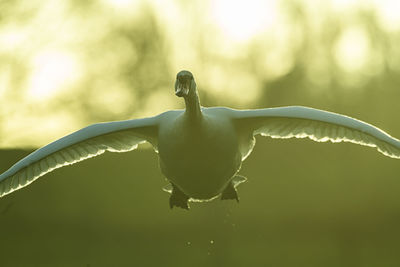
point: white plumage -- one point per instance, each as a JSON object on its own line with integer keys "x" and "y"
{"x": 320, "y": 126}
{"x": 200, "y": 149}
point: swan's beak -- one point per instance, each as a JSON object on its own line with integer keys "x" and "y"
{"x": 182, "y": 88}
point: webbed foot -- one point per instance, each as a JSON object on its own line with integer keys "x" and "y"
{"x": 230, "y": 191}
{"x": 178, "y": 199}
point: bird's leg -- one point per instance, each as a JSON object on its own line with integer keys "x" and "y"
{"x": 230, "y": 192}
{"x": 178, "y": 198}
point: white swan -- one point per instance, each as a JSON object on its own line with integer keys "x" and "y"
{"x": 200, "y": 149}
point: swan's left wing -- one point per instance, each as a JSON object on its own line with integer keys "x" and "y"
{"x": 318, "y": 125}
{"x": 117, "y": 136}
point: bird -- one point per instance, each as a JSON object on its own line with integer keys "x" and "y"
{"x": 200, "y": 149}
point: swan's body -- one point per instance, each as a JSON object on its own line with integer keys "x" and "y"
{"x": 200, "y": 157}
{"x": 200, "y": 149}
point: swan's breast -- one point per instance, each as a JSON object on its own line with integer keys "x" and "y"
{"x": 199, "y": 157}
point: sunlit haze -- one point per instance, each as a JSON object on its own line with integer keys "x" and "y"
{"x": 243, "y": 20}
{"x": 52, "y": 71}
{"x": 117, "y": 59}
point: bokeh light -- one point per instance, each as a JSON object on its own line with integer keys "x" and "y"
{"x": 352, "y": 49}
{"x": 52, "y": 71}
{"x": 242, "y": 20}
{"x": 112, "y": 59}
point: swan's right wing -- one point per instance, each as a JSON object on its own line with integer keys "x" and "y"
{"x": 118, "y": 136}
{"x": 317, "y": 125}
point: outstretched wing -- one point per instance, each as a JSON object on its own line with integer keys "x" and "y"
{"x": 318, "y": 125}
{"x": 118, "y": 136}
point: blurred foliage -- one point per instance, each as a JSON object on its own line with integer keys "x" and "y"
{"x": 66, "y": 64}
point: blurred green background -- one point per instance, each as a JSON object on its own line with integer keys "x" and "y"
{"x": 66, "y": 64}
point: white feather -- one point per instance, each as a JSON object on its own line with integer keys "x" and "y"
{"x": 317, "y": 125}
{"x": 118, "y": 136}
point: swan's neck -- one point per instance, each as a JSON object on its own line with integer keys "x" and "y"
{"x": 193, "y": 110}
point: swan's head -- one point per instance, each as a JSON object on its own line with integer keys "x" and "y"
{"x": 184, "y": 84}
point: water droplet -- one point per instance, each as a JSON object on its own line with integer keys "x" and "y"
{"x": 189, "y": 243}
{"x": 212, "y": 242}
